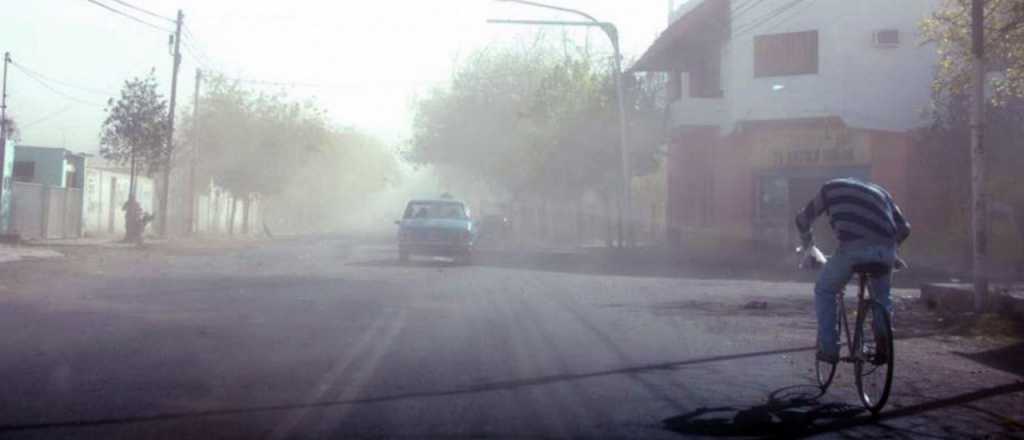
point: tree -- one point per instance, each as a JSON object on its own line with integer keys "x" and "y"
{"x": 135, "y": 133}
{"x": 950, "y": 28}
{"x": 537, "y": 122}
{"x": 286, "y": 151}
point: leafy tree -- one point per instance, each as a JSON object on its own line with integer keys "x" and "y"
{"x": 135, "y": 130}
{"x": 950, "y": 27}
{"x": 949, "y": 133}
{"x": 537, "y": 122}
{"x": 286, "y": 151}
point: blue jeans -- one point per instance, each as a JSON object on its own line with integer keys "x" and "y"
{"x": 835, "y": 276}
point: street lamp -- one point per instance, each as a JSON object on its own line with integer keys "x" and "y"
{"x": 613, "y": 34}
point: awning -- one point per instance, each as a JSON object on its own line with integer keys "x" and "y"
{"x": 705, "y": 23}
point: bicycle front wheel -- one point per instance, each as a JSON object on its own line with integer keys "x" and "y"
{"x": 873, "y": 356}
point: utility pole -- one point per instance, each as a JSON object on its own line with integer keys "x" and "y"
{"x": 193, "y": 200}
{"x": 3, "y": 142}
{"x": 170, "y": 124}
{"x": 979, "y": 194}
{"x": 627, "y": 166}
{"x": 3, "y": 114}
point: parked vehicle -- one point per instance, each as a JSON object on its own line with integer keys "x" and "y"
{"x": 436, "y": 227}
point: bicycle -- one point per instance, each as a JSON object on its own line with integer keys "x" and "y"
{"x": 871, "y": 349}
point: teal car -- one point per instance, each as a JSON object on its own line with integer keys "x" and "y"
{"x": 441, "y": 227}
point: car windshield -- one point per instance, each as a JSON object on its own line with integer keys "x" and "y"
{"x": 436, "y": 210}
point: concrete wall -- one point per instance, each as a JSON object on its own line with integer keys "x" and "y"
{"x": 106, "y": 191}
{"x": 46, "y": 212}
{"x": 867, "y": 86}
{"x": 6, "y": 186}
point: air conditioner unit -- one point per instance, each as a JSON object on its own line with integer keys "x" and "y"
{"x": 887, "y": 38}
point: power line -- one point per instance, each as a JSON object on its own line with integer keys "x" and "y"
{"x": 63, "y": 110}
{"x": 43, "y": 83}
{"x": 128, "y": 16}
{"x": 757, "y": 22}
{"x": 196, "y": 49}
{"x": 63, "y": 83}
{"x": 741, "y": 9}
{"x": 144, "y": 11}
{"x": 311, "y": 85}
{"x": 197, "y": 55}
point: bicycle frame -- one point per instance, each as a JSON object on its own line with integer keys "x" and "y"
{"x": 863, "y": 299}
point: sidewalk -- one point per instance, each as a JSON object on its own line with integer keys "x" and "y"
{"x": 16, "y": 253}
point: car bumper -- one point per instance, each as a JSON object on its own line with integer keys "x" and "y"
{"x": 438, "y": 249}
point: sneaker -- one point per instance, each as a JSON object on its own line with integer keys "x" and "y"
{"x": 829, "y": 358}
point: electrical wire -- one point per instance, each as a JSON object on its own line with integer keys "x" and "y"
{"x": 45, "y": 84}
{"x": 63, "y": 83}
{"x": 200, "y": 59}
{"x": 129, "y": 16}
{"x": 744, "y": 8}
{"x": 144, "y": 11}
{"x": 49, "y": 116}
{"x": 754, "y": 24}
{"x": 196, "y": 49}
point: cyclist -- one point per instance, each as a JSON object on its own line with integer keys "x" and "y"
{"x": 869, "y": 227}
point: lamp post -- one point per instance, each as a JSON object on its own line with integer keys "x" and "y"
{"x": 624, "y": 224}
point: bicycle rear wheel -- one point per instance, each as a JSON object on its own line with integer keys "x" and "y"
{"x": 825, "y": 371}
{"x": 873, "y": 356}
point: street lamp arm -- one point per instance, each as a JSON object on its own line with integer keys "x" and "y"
{"x": 555, "y": 8}
{"x": 607, "y": 27}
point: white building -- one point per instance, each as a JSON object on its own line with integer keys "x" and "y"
{"x": 106, "y": 190}
{"x": 770, "y": 98}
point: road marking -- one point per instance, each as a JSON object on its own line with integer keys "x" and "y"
{"x": 363, "y": 373}
{"x": 329, "y": 380}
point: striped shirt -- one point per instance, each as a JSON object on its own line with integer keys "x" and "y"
{"x": 860, "y": 213}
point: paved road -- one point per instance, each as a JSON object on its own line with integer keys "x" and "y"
{"x": 328, "y": 339}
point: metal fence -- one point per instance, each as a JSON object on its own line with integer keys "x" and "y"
{"x": 46, "y": 212}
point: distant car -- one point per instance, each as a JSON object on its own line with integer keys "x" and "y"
{"x": 437, "y": 227}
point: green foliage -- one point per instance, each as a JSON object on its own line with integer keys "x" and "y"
{"x": 137, "y": 122}
{"x": 287, "y": 151}
{"x": 950, "y": 28}
{"x": 539, "y": 119}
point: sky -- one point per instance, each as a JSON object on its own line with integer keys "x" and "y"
{"x": 363, "y": 60}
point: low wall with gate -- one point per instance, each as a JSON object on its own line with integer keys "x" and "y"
{"x": 46, "y": 212}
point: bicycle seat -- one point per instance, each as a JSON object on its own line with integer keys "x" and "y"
{"x": 872, "y": 269}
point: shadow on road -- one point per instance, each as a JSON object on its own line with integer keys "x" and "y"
{"x": 1009, "y": 359}
{"x": 481, "y": 388}
{"x": 789, "y": 411}
{"x": 797, "y": 411}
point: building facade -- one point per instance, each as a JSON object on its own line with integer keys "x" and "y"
{"x": 770, "y": 99}
{"x": 107, "y": 186}
{"x": 46, "y": 193}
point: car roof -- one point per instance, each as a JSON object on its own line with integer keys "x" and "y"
{"x": 437, "y": 201}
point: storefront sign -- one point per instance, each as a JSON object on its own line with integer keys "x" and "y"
{"x": 817, "y": 156}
